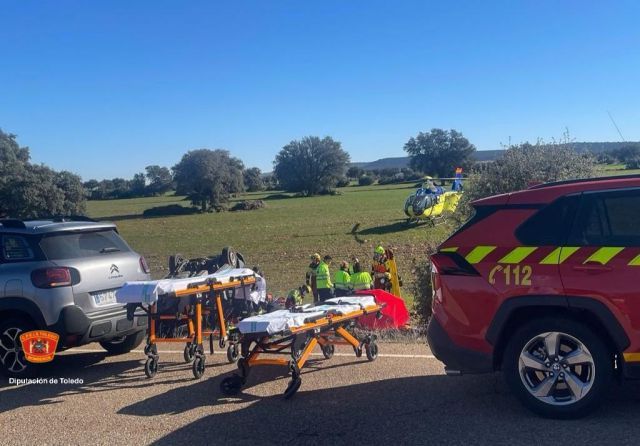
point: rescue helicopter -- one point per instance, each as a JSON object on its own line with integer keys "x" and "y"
{"x": 431, "y": 203}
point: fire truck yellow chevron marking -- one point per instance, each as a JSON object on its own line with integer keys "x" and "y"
{"x": 452, "y": 249}
{"x": 559, "y": 255}
{"x": 635, "y": 261}
{"x": 518, "y": 254}
{"x": 603, "y": 255}
{"x": 478, "y": 253}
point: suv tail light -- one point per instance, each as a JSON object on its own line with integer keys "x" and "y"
{"x": 144, "y": 265}
{"x": 452, "y": 264}
{"x": 51, "y": 277}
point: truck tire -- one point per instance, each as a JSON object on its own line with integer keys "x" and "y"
{"x": 557, "y": 367}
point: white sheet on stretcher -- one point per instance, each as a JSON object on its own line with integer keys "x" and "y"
{"x": 282, "y": 320}
{"x": 147, "y": 291}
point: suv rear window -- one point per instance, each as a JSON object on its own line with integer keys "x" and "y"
{"x": 608, "y": 219}
{"x": 75, "y": 245}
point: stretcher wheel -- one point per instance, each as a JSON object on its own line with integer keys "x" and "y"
{"x": 231, "y": 385}
{"x": 328, "y": 350}
{"x": 233, "y": 353}
{"x": 371, "y": 349}
{"x": 198, "y": 366}
{"x": 292, "y": 388}
{"x": 151, "y": 367}
{"x": 222, "y": 342}
{"x": 358, "y": 351}
{"x": 189, "y": 352}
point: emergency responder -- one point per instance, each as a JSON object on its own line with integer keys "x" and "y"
{"x": 360, "y": 280}
{"x": 296, "y": 297}
{"x": 341, "y": 280}
{"x": 311, "y": 276}
{"x": 323, "y": 279}
{"x": 380, "y": 269}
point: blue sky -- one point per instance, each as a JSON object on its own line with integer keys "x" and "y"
{"x": 105, "y": 88}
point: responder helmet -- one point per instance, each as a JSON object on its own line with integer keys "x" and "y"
{"x": 379, "y": 250}
{"x": 316, "y": 257}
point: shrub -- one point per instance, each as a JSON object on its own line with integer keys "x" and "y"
{"x": 365, "y": 180}
{"x": 248, "y": 205}
{"x": 343, "y": 182}
{"x": 421, "y": 287}
{"x": 521, "y": 166}
{"x": 171, "y": 209}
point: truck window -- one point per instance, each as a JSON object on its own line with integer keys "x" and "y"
{"x": 549, "y": 226}
{"x": 608, "y": 219}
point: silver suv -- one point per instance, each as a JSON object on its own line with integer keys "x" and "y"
{"x": 61, "y": 275}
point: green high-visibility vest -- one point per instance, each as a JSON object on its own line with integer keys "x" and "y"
{"x": 323, "y": 277}
{"x": 341, "y": 280}
{"x": 361, "y": 281}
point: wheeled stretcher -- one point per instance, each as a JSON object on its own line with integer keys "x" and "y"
{"x": 200, "y": 297}
{"x": 296, "y": 333}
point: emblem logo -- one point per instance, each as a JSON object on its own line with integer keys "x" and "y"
{"x": 39, "y": 346}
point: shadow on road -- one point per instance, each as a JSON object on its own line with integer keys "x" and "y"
{"x": 414, "y": 410}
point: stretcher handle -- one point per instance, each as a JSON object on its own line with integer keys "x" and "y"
{"x": 326, "y": 314}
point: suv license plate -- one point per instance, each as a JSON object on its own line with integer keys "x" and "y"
{"x": 104, "y": 297}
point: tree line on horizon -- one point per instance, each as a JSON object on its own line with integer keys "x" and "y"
{"x": 209, "y": 178}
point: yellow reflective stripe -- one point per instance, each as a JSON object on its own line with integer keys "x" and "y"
{"x": 603, "y": 255}
{"x": 517, "y": 255}
{"x": 478, "y": 253}
{"x": 449, "y": 249}
{"x": 559, "y": 255}
{"x": 631, "y": 357}
{"x": 635, "y": 261}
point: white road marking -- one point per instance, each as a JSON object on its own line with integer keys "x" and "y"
{"x": 218, "y": 352}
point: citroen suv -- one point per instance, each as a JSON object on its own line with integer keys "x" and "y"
{"x": 542, "y": 284}
{"x": 61, "y": 275}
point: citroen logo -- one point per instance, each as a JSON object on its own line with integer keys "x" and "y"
{"x": 114, "y": 269}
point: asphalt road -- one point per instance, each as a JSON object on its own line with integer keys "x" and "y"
{"x": 402, "y": 398}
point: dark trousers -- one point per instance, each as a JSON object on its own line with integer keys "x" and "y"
{"x": 325, "y": 293}
{"x": 339, "y": 292}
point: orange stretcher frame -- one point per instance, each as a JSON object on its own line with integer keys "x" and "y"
{"x": 298, "y": 343}
{"x": 206, "y": 299}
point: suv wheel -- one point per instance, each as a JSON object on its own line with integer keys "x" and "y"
{"x": 12, "y": 361}
{"x": 558, "y": 368}
{"x": 120, "y": 346}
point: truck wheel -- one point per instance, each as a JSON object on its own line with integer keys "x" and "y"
{"x": 12, "y": 361}
{"x": 557, "y": 367}
{"x": 120, "y": 346}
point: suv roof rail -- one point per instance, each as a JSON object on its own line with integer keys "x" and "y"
{"x": 584, "y": 180}
{"x": 12, "y": 223}
{"x": 65, "y": 218}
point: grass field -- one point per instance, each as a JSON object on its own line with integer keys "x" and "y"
{"x": 281, "y": 237}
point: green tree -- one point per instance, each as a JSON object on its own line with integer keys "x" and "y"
{"x": 311, "y": 165}
{"x": 253, "y": 180}
{"x": 160, "y": 180}
{"x": 439, "y": 152}
{"x": 138, "y": 185}
{"x": 354, "y": 172}
{"x": 209, "y": 177}
{"x": 31, "y": 191}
